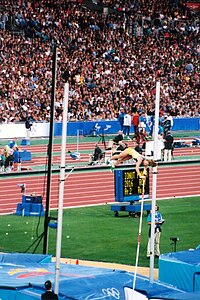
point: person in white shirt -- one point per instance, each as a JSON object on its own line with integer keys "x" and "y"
{"x": 127, "y": 124}
{"x": 169, "y": 117}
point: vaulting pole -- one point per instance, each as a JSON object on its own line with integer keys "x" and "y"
{"x": 139, "y": 234}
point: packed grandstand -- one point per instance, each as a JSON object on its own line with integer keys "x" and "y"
{"x": 111, "y": 53}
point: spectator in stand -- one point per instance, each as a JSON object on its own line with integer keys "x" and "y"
{"x": 102, "y": 60}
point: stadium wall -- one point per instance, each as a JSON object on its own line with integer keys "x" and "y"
{"x": 90, "y": 128}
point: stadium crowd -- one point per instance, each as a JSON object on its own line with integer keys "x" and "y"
{"x": 111, "y": 61}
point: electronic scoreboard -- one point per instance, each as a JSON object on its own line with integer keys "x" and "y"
{"x": 128, "y": 185}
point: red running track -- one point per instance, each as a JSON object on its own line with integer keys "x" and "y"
{"x": 97, "y": 187}
{"x": 42, "y": 160}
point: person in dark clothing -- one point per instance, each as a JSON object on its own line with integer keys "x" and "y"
{"x": 166, "y": 126}
{"x": 2, "y": 160}
{"x": 97, "y": 153}
{"x": 141, "y": 138}
{"x": 120, "y": 147}
{"x": 118, "y": 138}
{"x": 121, "y": 118}
{"x": 9, "y": 159}
{"x": 28, "y": 125}
{"x": 49, "y": 294}
{"x": 97, "y": 156}
{"x": 168, "y": 149}
{"x": 138, "y": 148}
{"x": 17, "y": 158}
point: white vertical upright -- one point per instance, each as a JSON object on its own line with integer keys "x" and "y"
{"x": 61, "y": 187}
{"x": 154, "y": 182}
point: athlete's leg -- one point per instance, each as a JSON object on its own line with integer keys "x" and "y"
{"x": 120, "y": 155}
{"x": 122, "y": 159}
{"x": 114, "y": 157}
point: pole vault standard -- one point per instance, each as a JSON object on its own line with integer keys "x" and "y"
{"x": 154, "y": 182}
{"x": 61, "y": 187}
{"x": 50, "y": 151}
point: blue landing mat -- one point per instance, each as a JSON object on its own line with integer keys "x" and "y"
{"x": 184, "y": 269}
{"x": 23, "y": 276}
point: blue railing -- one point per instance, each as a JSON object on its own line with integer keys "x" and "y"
{"x": 111, "y": 127}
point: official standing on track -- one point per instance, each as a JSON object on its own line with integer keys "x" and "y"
{"x": 168, "y": 146}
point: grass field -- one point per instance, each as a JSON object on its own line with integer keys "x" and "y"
{"x": 93, "y": 233}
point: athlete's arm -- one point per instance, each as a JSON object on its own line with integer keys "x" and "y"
{"x": 145, "y": 171}
{"x": 137, "y": 168}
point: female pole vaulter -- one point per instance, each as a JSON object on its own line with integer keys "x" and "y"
{"x": 129, "y": 153}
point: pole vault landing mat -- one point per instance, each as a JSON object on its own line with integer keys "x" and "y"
{"x": 23, "y": 276}
{"x": 185, "y": 269}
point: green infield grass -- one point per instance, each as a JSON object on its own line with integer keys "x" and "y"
{"x": 94, "y": 233}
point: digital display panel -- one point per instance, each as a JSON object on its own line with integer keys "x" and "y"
{"x": 128, "y": 185}
{"x": 132, "y": 184}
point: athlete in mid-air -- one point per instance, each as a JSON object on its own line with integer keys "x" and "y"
{"x": 130, "y": 153}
